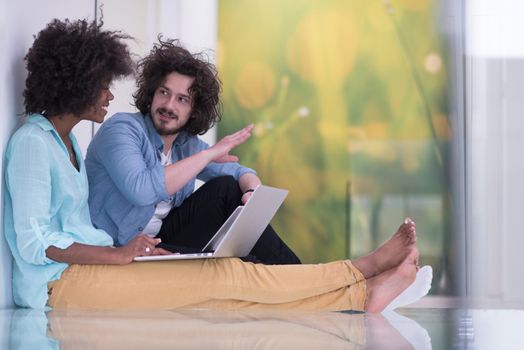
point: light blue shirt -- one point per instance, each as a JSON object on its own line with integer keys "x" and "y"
{"x": 45, "y": 204}
{"x": 126, "y": 175}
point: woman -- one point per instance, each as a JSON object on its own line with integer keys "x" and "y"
{"x": 62, "y": 261}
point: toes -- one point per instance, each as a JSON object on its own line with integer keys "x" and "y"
{"x": 405, "y": 229}
{"x": 409, "y": 221}
{"x": 410, "y": 240}
{"x": 408, "y": 225}
{"x": 413, "y": 235}
{"x": 410, "y": 229}
{"x": 410, "y": 236}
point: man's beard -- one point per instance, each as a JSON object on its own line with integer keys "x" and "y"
{"x": 159, "y": 125}
{"x": 163, "y": 131}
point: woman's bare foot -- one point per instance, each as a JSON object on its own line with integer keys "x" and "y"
{"x": 385, "y": 287}
{"x": 389, "y": 254}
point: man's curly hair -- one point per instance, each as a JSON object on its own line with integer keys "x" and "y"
{"x": 70, "y": 63}
{"x": 169, "y": 56}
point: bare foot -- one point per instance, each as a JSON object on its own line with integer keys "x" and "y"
{"x": 389, "y": 254}
{"x": 385, "y": 287}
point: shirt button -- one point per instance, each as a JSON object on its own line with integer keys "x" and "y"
{"x": 140, "y": 228}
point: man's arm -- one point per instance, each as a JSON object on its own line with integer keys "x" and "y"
{"x": 178, "y": 174}
{"x": 121, "y": 150}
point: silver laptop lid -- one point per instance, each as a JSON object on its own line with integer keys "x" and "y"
{"x": 251, "y": 222}
{"x": 213, "y": 243}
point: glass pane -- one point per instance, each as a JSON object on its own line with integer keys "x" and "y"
{"x": 349, "y": 99}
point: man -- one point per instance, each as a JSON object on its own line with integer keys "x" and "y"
{"x": 142, "y": 166}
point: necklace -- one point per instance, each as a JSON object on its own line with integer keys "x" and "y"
{"x": 71, "y": 154}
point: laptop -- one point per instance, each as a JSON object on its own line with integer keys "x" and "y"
{"x": 239, "y": 233}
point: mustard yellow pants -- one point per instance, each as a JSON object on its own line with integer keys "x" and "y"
{"x": 226, "y": 283}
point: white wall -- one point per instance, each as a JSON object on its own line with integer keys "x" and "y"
{"x": 494, "y": 143}
{"x": 192, "y": 21}
{"x": 19, "y": 21}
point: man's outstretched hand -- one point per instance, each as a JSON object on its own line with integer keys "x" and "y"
{"x": 219, "y": 152}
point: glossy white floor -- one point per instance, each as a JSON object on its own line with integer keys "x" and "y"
{"x": 411, "y": 328}
{"x": 196, "y": 329}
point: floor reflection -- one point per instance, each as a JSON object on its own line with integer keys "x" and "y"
{"x": 195, "y": 329}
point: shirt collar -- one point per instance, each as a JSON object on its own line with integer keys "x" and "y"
{"x": 152, "y": 134}
{"x": 41, "y": 121}
{"x": 155, "y": 138}
{"x": 46, "y": 125}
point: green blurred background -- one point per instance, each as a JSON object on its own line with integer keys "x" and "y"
{"x": 349, "y": 99}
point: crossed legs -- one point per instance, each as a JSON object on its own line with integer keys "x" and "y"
{"x": 369, "y": 283}
{"x": 198, "y": 218}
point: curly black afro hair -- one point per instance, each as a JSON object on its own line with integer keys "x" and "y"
{"x": 169, "y": 56}
{"x": 70, "y": 63}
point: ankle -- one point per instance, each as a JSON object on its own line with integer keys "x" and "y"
{"x": 366, "y": 265}
{"x": 372, "y": 305}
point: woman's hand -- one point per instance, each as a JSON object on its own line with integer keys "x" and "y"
{"x": 79, "y": 253}
{"x": 141, "y": 245}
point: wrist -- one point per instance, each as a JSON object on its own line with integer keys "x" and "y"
{"x": 207, "y": 155}
{"x": 120, "y": 255}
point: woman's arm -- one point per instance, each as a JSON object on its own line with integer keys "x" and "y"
{"x": 78, "y": 253}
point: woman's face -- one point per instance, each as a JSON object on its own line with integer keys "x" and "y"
{"x": 98, "y": 111}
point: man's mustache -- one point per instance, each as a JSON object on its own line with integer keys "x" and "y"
{"x": 168, "y": 112}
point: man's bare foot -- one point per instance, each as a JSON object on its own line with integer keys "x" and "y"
{"x": 385, "y": 287}
{"x": 389, "y": 254}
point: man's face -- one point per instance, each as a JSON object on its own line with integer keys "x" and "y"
{"x": 171, "y": 104}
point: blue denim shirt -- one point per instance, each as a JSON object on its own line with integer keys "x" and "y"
{"x": 126, "y": 176}
{"x": 45, "y": 204}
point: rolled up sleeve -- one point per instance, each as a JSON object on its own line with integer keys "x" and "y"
{"x": 30, "y": 193}
{"x": 213, "y": 170}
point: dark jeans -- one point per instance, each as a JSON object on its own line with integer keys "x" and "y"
{"x": 199, "y": 217}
